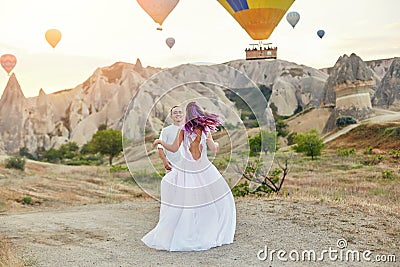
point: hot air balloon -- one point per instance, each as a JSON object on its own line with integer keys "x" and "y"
{"x": 8, "y": 62}
{"x": 170, "y": 42}
{"x": 158, "y": 10}
{"x": 258, "y": 17}
{"x": 293, "y": 18}
{"x": 53, "y": 36}
{"x": 321, "y": 33}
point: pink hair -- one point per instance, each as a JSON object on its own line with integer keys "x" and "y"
{"x": 196, "y": 117}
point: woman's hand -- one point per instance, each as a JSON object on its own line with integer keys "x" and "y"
{"x": 216, "y": 146}
{"x": 157, "y": 142}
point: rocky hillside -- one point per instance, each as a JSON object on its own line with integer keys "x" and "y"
{"x": 347, "y": 70}
{"x": 388, "y": 93}
{"x": 293, "y": 86}
{"x": 49, "y": 120}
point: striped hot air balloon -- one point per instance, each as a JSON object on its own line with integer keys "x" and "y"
{"x": 293, "y": 18}
{"x": 8, "y": 62}
{"x": 258, "y": 17}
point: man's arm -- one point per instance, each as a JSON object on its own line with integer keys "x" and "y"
{"x": 162, "y": 156}
{"x": 171, "y": 147}
{"x": 161, "y": 152}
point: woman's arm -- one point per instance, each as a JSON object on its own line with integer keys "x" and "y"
{"x": 171, "y": 147}
{"x": 214, "y": 146}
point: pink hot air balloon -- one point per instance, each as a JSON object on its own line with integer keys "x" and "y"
{"x": 158, "y": 10}
{"x": 8, "y": 62}
{"x": 170, "y": 42}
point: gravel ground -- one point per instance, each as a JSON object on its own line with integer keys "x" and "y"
{"x": 109, "y": 235}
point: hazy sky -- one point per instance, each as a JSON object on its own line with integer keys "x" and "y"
{"x": 98, "y": 33}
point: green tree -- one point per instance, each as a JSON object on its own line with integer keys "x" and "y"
{"x": 107, "y": 142}
{"x": 281, "y": 128}
{"x": 309, "y": 143}
{"x": 263, "y": 141}
{"x": 52, "y": 155}
{"x": 69, "y": 150}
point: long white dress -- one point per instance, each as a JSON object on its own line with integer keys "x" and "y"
{"x": 197, "y": 207}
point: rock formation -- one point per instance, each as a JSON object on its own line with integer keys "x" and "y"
{"x": 388, "y": 93}
{"x": 48, "y": 121}
{"x": 348, "y": 87}
{"x": 292, "y": 86}
{"x": 12, "y": 114}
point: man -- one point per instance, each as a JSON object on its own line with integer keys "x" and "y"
{"x": 168, "y": 135}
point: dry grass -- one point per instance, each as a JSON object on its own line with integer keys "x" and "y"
{"x": 54, "y": 186}
{"x": 8, "y": 256}
{"x": 346, "y": 180}
{"x": 376, "y": 135}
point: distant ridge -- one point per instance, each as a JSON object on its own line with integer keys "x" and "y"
{"x": 50, "y": 120}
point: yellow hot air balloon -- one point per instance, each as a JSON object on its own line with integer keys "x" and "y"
{"x": 53, "y": 37}
{"x": 158, "y": 10}
{"x": 258, "y": 17}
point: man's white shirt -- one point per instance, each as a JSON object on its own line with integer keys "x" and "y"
{"x": 168, "y": 135}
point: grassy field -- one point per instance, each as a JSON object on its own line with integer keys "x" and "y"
{"x": 367, "y": 181}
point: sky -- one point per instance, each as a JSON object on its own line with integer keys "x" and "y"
{"x": 98, "y": 33}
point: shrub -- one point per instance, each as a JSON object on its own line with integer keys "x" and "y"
{"x": 281, "y": 128}
{"x": 345, "y": 120}
{"x": 368, "y": 150}
{"x": 15, "y": 162}
{"x": 393, "y": 131}
{"x": 118, "y": 168}
{"x": 52, "y": 155}
{"x": 241, "y": 190}
{"x": 342, "y": 152}
{"x": 387, "y": 174}
{"x": 27, "y": 200}
{"x": 69, "y": 150}
{"x": 290, "y": 139}
{"x": 24, "y": 152}
{"x": 394, "y": 153}
{"x": 372, "y": 160}
{"x": 265, "y": 141}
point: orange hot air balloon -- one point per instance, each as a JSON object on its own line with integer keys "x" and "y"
{"x": 8, "y": 62}
{"x": 158, "y": 10}
{"x": 53, "y": 37}
{"x": 258, "y": 17}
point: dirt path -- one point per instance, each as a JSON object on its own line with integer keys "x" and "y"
{"x": 109, "y": 235}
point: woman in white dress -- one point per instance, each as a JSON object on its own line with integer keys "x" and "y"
{"x": 197, "y": 207}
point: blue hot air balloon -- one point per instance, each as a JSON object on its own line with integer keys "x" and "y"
{"x": 293, "y": 18}
{"x": 321, "y": 33}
